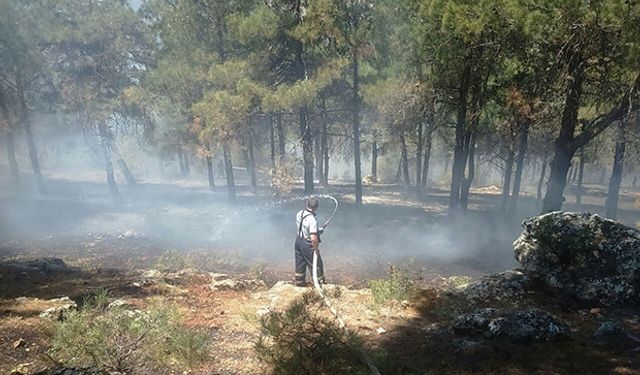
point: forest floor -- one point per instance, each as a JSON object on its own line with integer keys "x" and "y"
{"x": 107, "y": 247}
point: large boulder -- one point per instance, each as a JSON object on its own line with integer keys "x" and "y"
{"x": 588, "y": 257}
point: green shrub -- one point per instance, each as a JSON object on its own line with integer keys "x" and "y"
{"x": 397, "y": 286}
{"x": 302, "y": 341}
{"x": 118, "y": 339}
{"x": 172, "y": 260}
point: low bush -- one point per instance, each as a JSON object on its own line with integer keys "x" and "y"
{"x": 397, "y": 286}
{"x": 301, "y": 340}
{"x": 119, "y": 339}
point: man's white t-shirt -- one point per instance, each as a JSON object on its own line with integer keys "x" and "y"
{"x": 309, "y": 224}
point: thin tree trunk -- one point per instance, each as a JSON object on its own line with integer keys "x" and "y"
{"x": 209, "y": 160}
{"x": 374, "y": 161}
{"x": 405, "y": 161}
{"x": 186, "y": 162}
{"x": 457, "y": 170}
{"x": 10, "y": 141}
{"x": 281, "y": 138}
{"x": 506, "y": 184}
{"x": 324, "y": 144}
{"x": 399, "y": 171}
{"x": 318, "y": 157}
{"x": 471, "y": 172}
{"x": 252, "y": 163}
{"x": 124, "y": 168}
{"x": 26, "y": 124}
{"x": 427, "y": 160}
{"x": 611, "y": 202}
{"x": 543, "y": 173}
{"x": 356, "y": 122}
{"x": 517, "y": 179}
{"x": 228, "y": 167}
{"x": 419, "y": 147}
{"x": 307, "y": 149}
{"x": 183, "y": 169}
{"x": 325, "y": 154}
{"x": 272, "y": 143}
{"x": 634, "y": 181}
{"x": 580, "y": 180}
{"x": 105, "y": 140}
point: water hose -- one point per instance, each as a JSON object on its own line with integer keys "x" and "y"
{"x": 365, "y": 357}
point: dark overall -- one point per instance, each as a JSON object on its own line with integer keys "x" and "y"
{"x": 304, "y": 256}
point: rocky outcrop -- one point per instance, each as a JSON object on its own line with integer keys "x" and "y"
{"x": 499, "y": 286}
{"x": 63, "y": 306}
{"x": 528, "y": 326}
{"x": 221, "y": 281}
{"x": 532, "y": 325}
{"x": 592, "y": 259}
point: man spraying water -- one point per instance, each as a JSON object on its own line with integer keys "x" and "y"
{"x": 308, "y": 243}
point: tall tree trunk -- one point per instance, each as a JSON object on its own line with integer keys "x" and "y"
{"x": 252, "y": 163}
{"x": 471, "y": 171}
{"x": 374, "y": 161}
{"x": 457, "y": 170}
{"x": 209, "y": 160}
{"x": 10, "y": 141}
{"x": 183, "y": 168}
{"x": 564, "y": 151}
{"x": 186, "y": 162}
{"x": 124, "y": 168}
{"x": 634, "y": 181}
{"x": 11, "y": 158}
{"x": 611, "y": 202}
{"x": 26, "y": 124}
{"x": 419, "y": 147}
{"x": 543, "y": 173}
{"x": 325, "y": 155}
{"x": 405, "y": 161}
{"x": 105, "y": 140}
{"x": 517, "y": 179}
{"x": 580, "y": 180}
{"x": 318, "y": 157}
{"x": 355, "y": 111}
{"x": 281, "y": 138}
{"x": 228, "y": 168}
{"x": 427, "y": 159}
{"x": 506, "y": 184}
{"x": 603, "y": 173}
{"x": 324, "y": 144}
{"x": 307, "y": 149}
{"x": 399, "y": 172}
{"x": 272, "y": 143}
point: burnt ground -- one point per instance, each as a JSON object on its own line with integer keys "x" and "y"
{"x": 106, "y": 244}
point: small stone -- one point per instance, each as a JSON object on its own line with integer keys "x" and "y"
{"x": 19, "y": 343}
{"x": 381, "y": 330}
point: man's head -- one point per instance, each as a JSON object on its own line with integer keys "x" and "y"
{"x": 312, "y": 204}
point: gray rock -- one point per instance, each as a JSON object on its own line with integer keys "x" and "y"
{"x": 64, "y": 305}
{"x": 224, "y": 282}
{"x": 498, "y": 286}
{"x": 588, "y": 257}
{"x": 528, "y": 326}
{"x": 476, "y": 322}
